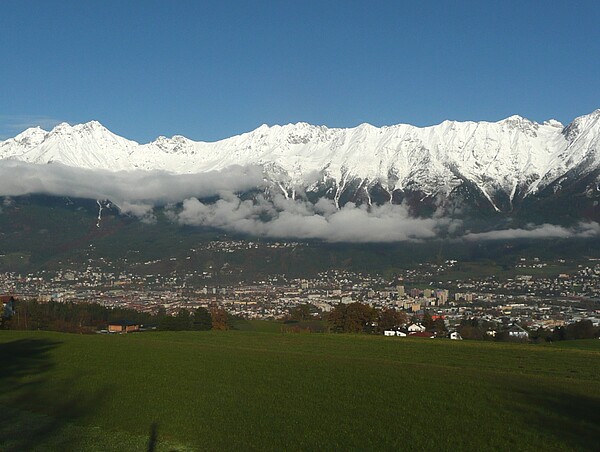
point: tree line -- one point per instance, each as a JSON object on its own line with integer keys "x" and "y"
{"x": 583, "y": 329}
{"x": 344, "y": 318}
{"x": 73, "y": 317}
{"x": 474, "y": 328}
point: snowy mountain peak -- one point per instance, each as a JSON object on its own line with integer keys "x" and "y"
{"x": 519, "y": 121}
{"x": 62, "y": 127}
{"x": 554, "y": 123}
{"x": 595, "y": 114}
{"x": 29, "y": 138}
{"x": 66, "y": 128}
{"x": 586, "y": 119}
{"x": 93, "y": 125}
{"x": 515, "y": 118}
{"x": 583, "y": 125}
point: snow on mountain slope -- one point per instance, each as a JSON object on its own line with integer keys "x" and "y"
{"x": 584, "y": 140}
{"x": 88, "y": 145}
{"x": 512, "y": 156}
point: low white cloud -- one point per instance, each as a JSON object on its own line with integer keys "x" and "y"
{"x": 135, "y": 187}
{"x": 137, "y": 193}
{"x": 543, "y": 231}
{"x": 285, "y": 218}
{"x": 144, "y": 211}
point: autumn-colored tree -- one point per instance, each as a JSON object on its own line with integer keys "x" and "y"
{"x": 220, "y": 319}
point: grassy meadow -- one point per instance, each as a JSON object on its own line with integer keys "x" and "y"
{"x": 250, "y": 390}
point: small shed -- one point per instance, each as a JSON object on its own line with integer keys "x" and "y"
{"x": 123, "y": 326}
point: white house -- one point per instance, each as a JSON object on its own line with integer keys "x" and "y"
{"x": 517, "y": 332}
{"x": 416, "y": 328}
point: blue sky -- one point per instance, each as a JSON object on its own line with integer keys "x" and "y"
{"x": 209, "y": 70}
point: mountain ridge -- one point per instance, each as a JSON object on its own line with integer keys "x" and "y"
{"x": 505, "y": 161}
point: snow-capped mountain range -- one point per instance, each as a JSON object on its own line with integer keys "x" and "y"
{"x": 506, "y": 161}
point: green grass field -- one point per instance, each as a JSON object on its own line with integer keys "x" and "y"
{"x": 249, "y": 390}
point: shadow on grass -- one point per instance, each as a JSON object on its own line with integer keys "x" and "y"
{"x": 25, "y": 357}
{"x": 573, "y": 419}
{"x": 35, "y": 409}
{"x": 153, "y": 440}
{"x": 156, "y": 445}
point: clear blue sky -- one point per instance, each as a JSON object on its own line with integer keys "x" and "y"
{"x": 208, "y": 70}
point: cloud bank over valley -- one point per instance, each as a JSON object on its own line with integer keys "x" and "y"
{"x": 267, "y": 213}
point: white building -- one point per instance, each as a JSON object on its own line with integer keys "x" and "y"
{"x": 416, "y": 328}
